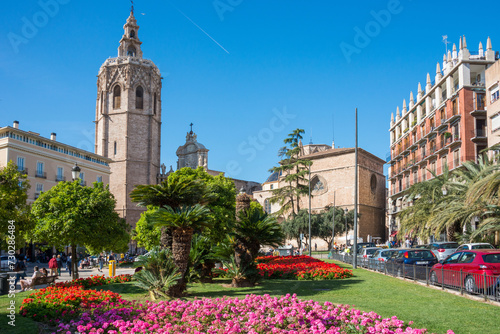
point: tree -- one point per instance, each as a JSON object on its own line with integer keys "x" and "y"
{"x": 324, "y": 228}
{"x": 173, "y": 192}
{"x": 293, "y": 171}
{"x": 296, "y": 225}
{"x": 70, "y": 214}
{"x": 146, "y": 235}
{"x": 13, "y": 207}
{"x": 183, "y": 221}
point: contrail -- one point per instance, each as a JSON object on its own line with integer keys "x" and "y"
{"x": 197, "y": 26}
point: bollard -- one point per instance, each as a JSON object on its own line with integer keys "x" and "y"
{"x": 112, "y": 268}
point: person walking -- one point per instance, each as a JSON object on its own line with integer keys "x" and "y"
{"x": 59, "y": 264}
{"x": 68, "y": 264}
{"x": 101, "y": 262}
{"x": 53, "y": 265}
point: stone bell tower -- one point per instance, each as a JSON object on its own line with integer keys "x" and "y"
{"x": 128, "y": 119}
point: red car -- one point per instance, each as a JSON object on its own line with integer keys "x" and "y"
{"x": 468, "y": 269}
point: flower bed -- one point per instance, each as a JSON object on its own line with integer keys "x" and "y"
{"x": 253, "y": 314}
{"x": 54, "y": 305}
{"x": 299, "y": 267}
{"x": 95, "y": 281}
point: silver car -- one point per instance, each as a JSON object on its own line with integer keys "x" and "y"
{"x": 443, "y": 249}
{"x": 477, "y": 245}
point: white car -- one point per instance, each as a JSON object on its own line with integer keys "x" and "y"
{"x": 477, "y": 245}
{"x": 368, "y": 251}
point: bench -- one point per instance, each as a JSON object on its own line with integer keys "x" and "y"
{"x": 41, "y": 280}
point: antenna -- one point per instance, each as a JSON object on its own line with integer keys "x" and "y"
{"x": 445, "y": 41}
{"x": 333, "y": 129}
{"x": 311, "y": 140}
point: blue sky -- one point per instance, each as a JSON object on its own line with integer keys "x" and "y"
{"x": 278, "y": 66}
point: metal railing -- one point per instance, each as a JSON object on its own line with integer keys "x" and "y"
{"x": 487, "y": 286}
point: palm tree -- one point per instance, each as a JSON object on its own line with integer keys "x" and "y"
{"x": 455, "y": 212}
{"x": 183, "y": 222}
{"x": 254, "y": 229}
{"x": 175, "y": 193}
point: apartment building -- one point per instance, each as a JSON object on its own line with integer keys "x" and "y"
{"x": 46, "y": 161}
{"x": 444, "y": 126}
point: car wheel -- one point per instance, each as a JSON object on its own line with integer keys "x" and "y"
{"x": 434, "y": 279}
{"x": 497, "y": 293}
{"x": 470, "y": 285}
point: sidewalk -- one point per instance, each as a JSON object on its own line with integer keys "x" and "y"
{"x": 65, "y": 276}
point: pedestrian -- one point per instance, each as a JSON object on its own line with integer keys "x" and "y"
{"x": 68, "y": 264}
{"x": 59, "y": 264}
{"x": 20, "y": 269}
{"x": 53, "y": 265}
{"x": 101, "y": 262}
{"x": 315, "y": 247}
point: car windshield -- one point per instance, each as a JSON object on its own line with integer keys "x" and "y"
{"x": 376, "y": 254}
{"x": 485, "y": 246}
{"x": 370, "y": 251}
{"x": 491, "y": 258}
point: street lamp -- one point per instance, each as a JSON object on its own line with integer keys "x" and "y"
{"x": 75, "y": 172}
{"x": 310, "y": 253}
{"x": 346, "y": 210}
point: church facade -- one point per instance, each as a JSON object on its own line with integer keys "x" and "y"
{"x": 128, "y": 119}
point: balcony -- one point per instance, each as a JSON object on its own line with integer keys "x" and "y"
{"x": 478, "y": 135}
{"x": 40, "y": 174}
{"x": 23, "y": 171}
{"x": 60, "y": 178}
{"x": 432, "y": 130}
{"x": 442, "y": 124}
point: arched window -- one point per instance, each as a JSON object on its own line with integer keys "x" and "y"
{"x": 139, "y": 92}
{"x": 154, "y": 104}
{"x": 114, "y": 148}
{"x": 117, "y": 97}
{"x": 267, "y": 206}
{"x": 131, "y": 51}
{"x": 132, "y": 34}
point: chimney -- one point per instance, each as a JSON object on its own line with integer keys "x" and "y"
{"x": 16, "y": 125}
{"x": 53, "y": 136}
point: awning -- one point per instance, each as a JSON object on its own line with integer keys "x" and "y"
{"x": 393, "y": 234}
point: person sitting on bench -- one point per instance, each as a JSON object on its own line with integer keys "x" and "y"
{"x": 26, "y": 283}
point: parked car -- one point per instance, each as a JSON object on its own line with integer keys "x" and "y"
{"x": 378, "y": 258}
{"x": 362, "y": 245}
{"x": 426, "y": 246}
{"x": 478, "y": 245}
{"x": 443, "y": 249}
{"x": 468, "y": 269}
{"x": 496, "y": 292}
{"x": 368, "y": 252}
{"x": 411, "y": 262}
{"x": 4, "y": 262}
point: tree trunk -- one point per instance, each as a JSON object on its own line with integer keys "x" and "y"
{"x": 74, "y": 262}
{"x": 206, "y": 271}
{"x": 181, "y": 246}
{"x": 166, "y": 238}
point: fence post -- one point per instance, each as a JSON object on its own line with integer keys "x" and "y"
{"x": 442, "y": 277}
{"x": 484, "y": 287}
{"x": 461, "y": 282}
{"x": 414, "y": 272}
{"x": 427, "y": 275}
{"x": 404, "y": 270}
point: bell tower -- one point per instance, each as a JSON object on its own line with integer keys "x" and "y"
{"x": 128, "y": 119}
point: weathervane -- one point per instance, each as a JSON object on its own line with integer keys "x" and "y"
{"x": 445, "y": 41}
{"x": 132, "y": 7}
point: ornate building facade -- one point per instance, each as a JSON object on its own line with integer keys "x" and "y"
{"x": 128, "y": 119}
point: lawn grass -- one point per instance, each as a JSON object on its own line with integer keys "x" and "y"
{"x": 429, "y": 308}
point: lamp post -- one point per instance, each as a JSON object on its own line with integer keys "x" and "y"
{"x": 75, "y": 173}
{"x": 333, "y": 223}
{"x": 310, "y": 253}
{"x": 345, "y": 215}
